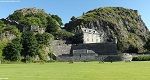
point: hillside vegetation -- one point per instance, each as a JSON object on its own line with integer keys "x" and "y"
{"x": 125, "y": 24}
{"x": 26, "y": 35}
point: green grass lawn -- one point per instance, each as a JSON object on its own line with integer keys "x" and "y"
{"x": 76, "y": 71}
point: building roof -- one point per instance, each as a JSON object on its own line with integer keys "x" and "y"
{"x": 91, "y": 31}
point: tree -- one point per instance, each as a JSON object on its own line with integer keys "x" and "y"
{"x": 2, "y": 24}
{"x": 16, "y": 16}
{"x": 30, "y": 45}
{"x": 147, "y": 45}
{"x": 58, "y": 19}
{"x": 12, "y": 51}
{"x": 132, "y": 49}
{"x": 44, "y": 38}
{"x": 53, "y": 25}
{"x": 73, "y": 18}
{"x": 28, "y": 21}
{"x": 63, "y": 35}
{"x": 77, "y": 38}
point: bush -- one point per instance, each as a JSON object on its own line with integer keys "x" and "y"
{"x": 70, "y": 61}
{"x": 62, "y": 34}
{"x": 50, "y": 61}
{"x": 141, "y": 58}
{"x": 12, "y": 51}
{"x": 30, "y": 45}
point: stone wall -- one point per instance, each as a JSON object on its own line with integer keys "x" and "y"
{"x": 60, "y": 47}
{"x": 90, "y": 58}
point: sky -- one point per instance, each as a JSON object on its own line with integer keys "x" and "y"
{"x": 68, "y": 8}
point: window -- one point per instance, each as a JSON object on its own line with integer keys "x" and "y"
{"x": 96, "y": 40}
{"x": 87, "y": 39}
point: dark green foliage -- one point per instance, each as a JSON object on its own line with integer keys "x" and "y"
{"x": 12, "y": 29}
{"x": 28, "y": 21}
{"x": 147, "y": 45}
{"x": 132, "y": 49}
{"x": 44, "y": 39}
{"x": 77, "y": 39}
{"x": 141, "y": 58}
{"x": 125, "y": 24}
{"x": 2, "y": 24}
{"x": 53, "y": 25}
{"x": 110, "y": 14}
{"x": 62, "y": 34}
{"x": 73, "y": 18}
{"x": 37, "y": 17}
{"x": 12, "y": 51}
{"x": 57, "y": 18}
{"x": 30, "y": 45}
{"x": 73, "y": 24}
{"x": 16, "y": 16}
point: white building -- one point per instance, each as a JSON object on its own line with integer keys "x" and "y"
{"x": 90, "y": 35}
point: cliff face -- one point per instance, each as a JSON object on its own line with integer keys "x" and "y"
{"x": 125, "y": 24}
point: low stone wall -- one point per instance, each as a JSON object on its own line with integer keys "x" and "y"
{"x": 90, "y": 58}
{"x": 108, "y": 58}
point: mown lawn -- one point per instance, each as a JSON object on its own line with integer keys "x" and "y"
{"x": 76, "y": 71}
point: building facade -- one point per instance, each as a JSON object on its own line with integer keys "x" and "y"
{"x": 90, "y": 35}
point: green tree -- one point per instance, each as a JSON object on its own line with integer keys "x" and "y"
{"x": 62, "y": 34}
{"x": 2, "y": 25}
{"x": 16, "y": 16}
{"x": 147, "y": 45}
{"x": 44, "y": 38}
{"x": 57, "y": 18}
{"x": 12, "y": 51}
{"x": 73, "y": 18}
{"x": 30, "y": 45}
{"x": 77, "y": 38}
{"x": 12, "y": 29}
{"x": 53, "y": 25}
{"x": 28, "y": 21}
{"x": 3, "y": 44}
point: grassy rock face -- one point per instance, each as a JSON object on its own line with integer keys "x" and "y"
{"x": 125, "y": 24}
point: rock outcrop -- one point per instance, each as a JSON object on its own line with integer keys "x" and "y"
{"x": 125, "y": 24}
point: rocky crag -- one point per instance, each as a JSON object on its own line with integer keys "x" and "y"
{"x": 125, "y": 24}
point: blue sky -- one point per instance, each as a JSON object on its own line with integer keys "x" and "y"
{"x": 68, "y": 8}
